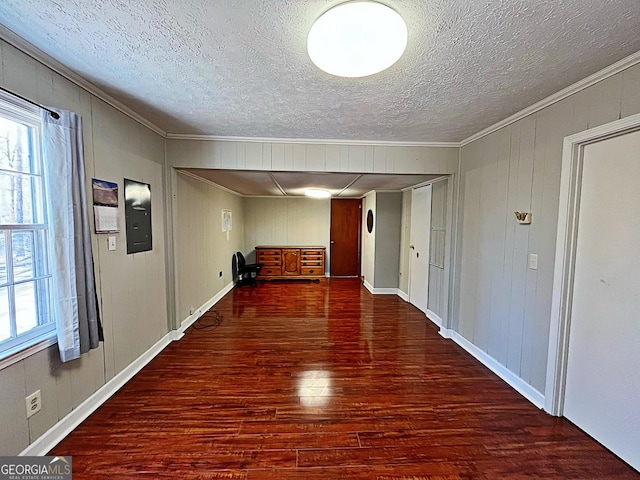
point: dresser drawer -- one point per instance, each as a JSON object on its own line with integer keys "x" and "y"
{"x": 270, "y": 270}
{"x": 269, "y": 261}
{"x": 311, "y": 271}
{"x": 269, "y": 255}
{"x": 312, "y": 262}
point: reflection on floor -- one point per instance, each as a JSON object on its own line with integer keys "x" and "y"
{"x": 325, "y": 381}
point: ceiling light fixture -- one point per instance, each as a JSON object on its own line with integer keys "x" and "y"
{"x": 317, "y": 193}
{"x": 356, "y": 39}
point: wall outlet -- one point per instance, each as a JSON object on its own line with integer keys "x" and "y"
{"x": 533, "y": 261}
{"x": 34, "y": 403}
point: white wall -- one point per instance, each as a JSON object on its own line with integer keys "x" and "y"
{"x": 368, "y": 239}
{"x": 131, "y": 288}
{"x": 309, "y": 157}
{"x": 405, "y": 237}
{"x": 438, "y": 250}
{"x": 502, "y": 306}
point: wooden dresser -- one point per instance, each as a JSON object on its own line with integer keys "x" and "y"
{"x": 290, "y": 262}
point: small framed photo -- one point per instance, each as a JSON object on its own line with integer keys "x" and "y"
{"x": 227, "y": 221}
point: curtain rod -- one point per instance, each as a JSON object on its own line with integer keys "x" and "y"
{"x": 55, "y": 115}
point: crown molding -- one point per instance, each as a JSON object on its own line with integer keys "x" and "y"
{"x": 312, "y": 141}
{"x": 27, "y": 48}
{"x": 189, "y": 174}
{"x": 591, "y": 80}
{"x": 428, "y": 182}
{"x": 38, "y": 55}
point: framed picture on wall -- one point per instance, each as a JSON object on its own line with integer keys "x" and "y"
{"x": 227, "y": 221}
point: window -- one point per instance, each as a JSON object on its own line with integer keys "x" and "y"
{"x": 25, "y": 273}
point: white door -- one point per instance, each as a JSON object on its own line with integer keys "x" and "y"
{"x": 420, "y": 234}
{"x": 603, "y": 371}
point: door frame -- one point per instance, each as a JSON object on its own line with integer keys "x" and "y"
{"x": 413, "y": 189}
{"x": 566, "y": 242}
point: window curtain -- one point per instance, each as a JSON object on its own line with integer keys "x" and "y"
{"x": 75, "y": 303}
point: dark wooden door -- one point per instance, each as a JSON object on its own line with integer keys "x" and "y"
{"x": 346, "y": 218}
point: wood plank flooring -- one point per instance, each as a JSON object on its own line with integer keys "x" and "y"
{"x": 325, "y": 381}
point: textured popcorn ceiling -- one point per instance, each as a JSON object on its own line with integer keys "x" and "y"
{"x": 240, "y": 68}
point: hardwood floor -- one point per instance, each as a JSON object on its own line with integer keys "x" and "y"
{"x": 325, "y": 381}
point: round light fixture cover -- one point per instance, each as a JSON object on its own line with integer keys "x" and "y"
{"x": 317, "y": 193}
{"x": 357, "y": 39}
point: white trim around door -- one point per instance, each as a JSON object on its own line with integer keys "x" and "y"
{"x": 572, "y": 156}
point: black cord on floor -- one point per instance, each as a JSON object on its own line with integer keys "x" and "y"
{"x": 214, "y": 322}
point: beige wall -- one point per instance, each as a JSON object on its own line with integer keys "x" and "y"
{"x": 131, "y": 287}
{"x": 502, "y": 306}
{"x": 201, "y": 247}
{"x": 287, "y": 221}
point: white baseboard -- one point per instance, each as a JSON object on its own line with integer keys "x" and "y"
{"x": 381, "y": 291}
{"x": 403, "y": 296}
{"x": 64, "y": 427}
{"x": 435, "y": 318}
{"x": 523, "y": 388}
{"x": 445, "y": 332}
{"x": 368, "y": 286}
{"x": 385, "y": 291}
{"x": 187, "y": 322}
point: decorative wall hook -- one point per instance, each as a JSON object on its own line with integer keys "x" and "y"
{"x": 524, "y": 218}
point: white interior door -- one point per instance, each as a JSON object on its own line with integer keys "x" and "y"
{"x": 602, "y": 393}
{"x": 419, "y": 247}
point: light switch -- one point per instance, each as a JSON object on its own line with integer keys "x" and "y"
{"x": 533, "y": 261}
{"x": 112, "y": 243}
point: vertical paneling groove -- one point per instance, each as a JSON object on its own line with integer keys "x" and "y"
{"x": 486, "y": 250}
{"x": 470, "y": 184}
{"x": 534, "y": 232}
{"x": 521, "y": 245}
{"x": 498, "y": 300}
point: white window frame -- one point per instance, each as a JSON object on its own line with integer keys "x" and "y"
{"x": 42, "y": 336}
